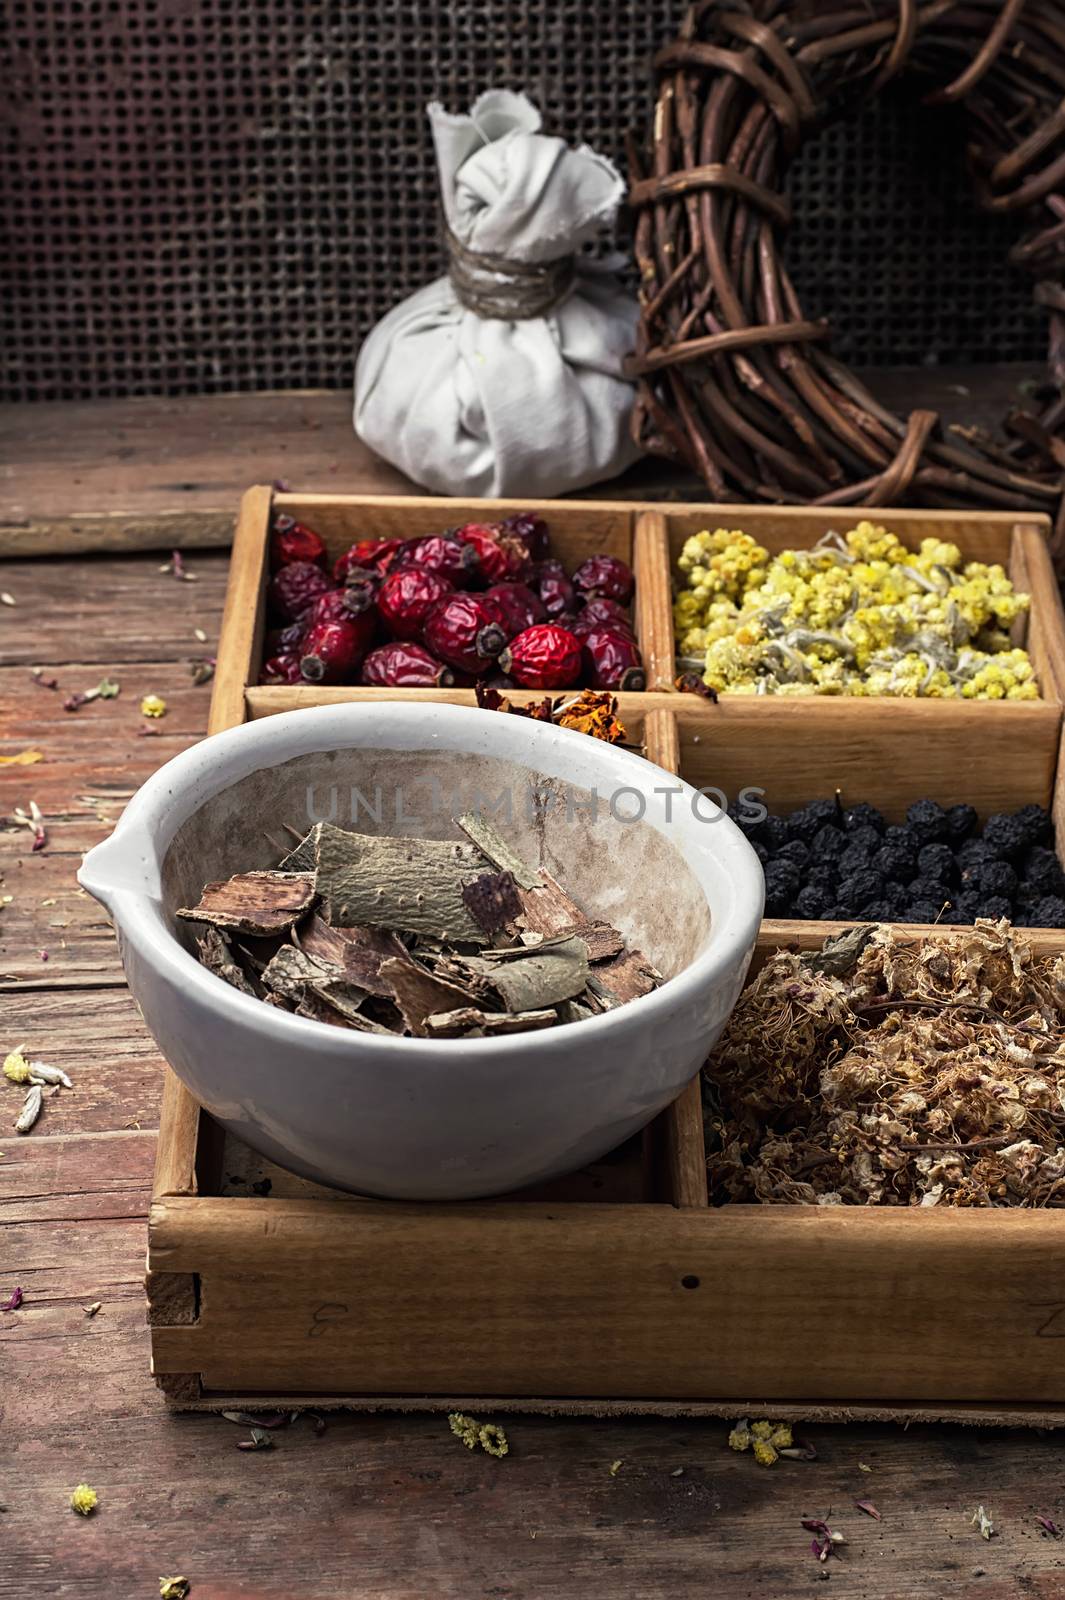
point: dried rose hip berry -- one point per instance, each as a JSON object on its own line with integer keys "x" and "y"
{"x": 532, "y": 531}
{"x": 361, "y": 585}
{"x": 282, "y": 641}
{"x": 406, "y": 598}
{"x": 517, "y": 606}
{"x": 599, "y": 613}
{"x": 376, "y": 553}
{"x": 499, "y": 555}
{"x": 465, "y": 631}
{"x": 336, "y": 605}
{"x": 612, "y": 661}
{"x": 293, "y": 541}
{"x": 543, "y": 657}
{"x": 333, "y": 650}
{"x": 295, "y": 588}
{"x": 605, "y": 577}
{"x": 439, "y": 553}
{"x": 405, "y": 666}
{"x": 554, "y": 588}
{"x": 282, "y": 668}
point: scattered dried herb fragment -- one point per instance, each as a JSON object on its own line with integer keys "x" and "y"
{"x": 981, "y": 1520}
{"x": 260, "y": 1440}
{"x": 14, "y": 1300}
{"x": 24, "y": 758}
{"x": 489, "y": 1435}
{"x": 31, "y": 1110}
{"x": 90, "y": 1311}
{"x": 38, "y": 677}
{"x": 84, "y": 1500}
{"x": 870, "y": 1510}
{"x": 106, "y": 689}
{"x": 34, "y": 820}
{"x": 174, "y": 1588}
{"x": 1049, "y": 1526}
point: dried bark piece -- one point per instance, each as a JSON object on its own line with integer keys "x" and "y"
{"x": 357, "y": 953}
{"x": 217, "y": 956}
{"x": 549, "y": 910}
{"x": 413, "y": 885}
{"x": 492, "y": 900}
{"x": 492, "y": 844}
{"x": 303, "y": 857}
{"x": 292, "y": 971}
{"x": 469, "y": 1022}
{"x": 626, "y": 977}
{"x": 260, "y": 903}
{"x": 315, "y": 1006}
{"x": 420, "y": 993}
{"x": 536, "y": 978}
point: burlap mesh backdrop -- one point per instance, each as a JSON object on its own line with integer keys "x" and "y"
{"x": 200, "y": 196}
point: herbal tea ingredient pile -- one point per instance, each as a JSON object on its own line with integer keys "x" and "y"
{"x": 858, "y": 614}
{"x": 431, "y": 938}
{"x": 880, "y": 1072}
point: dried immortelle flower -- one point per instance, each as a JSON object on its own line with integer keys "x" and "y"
{"x": 174, "y": 1588}
{"x": 766, "y": 1440}
{"x": 153, "y": 705}
{"x": 488, "y": 1435}
{"x": 893, "y": 1073}
{"x": 16, "y": 1067}
{"x": 84, "y": 1500}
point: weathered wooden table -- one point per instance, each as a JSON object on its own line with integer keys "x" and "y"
{"x": 373, "y": 1506}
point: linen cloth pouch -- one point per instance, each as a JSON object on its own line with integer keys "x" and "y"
{"x": 505, "y": 377}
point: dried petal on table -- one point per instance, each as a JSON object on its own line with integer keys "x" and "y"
{"x": 14, "y": 1300}
{"x": 31, "y": 1110}
{"x": 24, "y": 758}
{"x": 260, "y": 1440}
{"x": 106, "y": 689}
{"x": 868, "y": 1507}
{"x": 1049, "y": 1526}
{"x": 53, "y": 1077}
{"x": 34, "y": 820}
{"x": 259, "y": 903}
{"x": 981, "y": 1520}
{"x": 174, "y": 1588}
{"x": 37, "y": 676}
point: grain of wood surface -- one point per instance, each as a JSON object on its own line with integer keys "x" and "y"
{"x": 389, "y": 1506}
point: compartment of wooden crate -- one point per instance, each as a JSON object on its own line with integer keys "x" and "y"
{"x": 648, "y": 1302}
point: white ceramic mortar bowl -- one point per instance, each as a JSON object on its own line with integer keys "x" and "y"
{"x": 433, "y": 1119}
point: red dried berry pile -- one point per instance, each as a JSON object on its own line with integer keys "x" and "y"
{"x": 485, "y": 602}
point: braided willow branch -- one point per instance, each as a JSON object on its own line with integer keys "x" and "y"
{"x": 732, "y": 378}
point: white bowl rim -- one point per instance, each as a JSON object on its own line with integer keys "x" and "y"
{"x": 137, "y": 913}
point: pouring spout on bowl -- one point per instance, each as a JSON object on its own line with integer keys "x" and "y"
{"x": 123, "y": 864}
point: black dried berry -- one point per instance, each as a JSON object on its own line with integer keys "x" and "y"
{"x": 961, "y": 821}
{"x": 1005, "y": 835}
{"x": 929, "y": 889}
{"x": 928, "y": 820}
{"x": 863, "y": 816}
{"x": 1037, "y": 824}
{"x": 936, "y": 861}
{"x": 991, "y": 878}
{"x": 774, "y": 833}
{"x": 972, "y": 853}
{"x": 810, "y": 819}
{"x": 853, "y": 859}
{"x": 860, "y": 888}
{"x": 823, "y": 875}
{"x": 795, "y": 851}
{"x": 1048, "y": 912}
{"x": 782, "y": 879}
{"x": 748, "y": 820}
{"x": 878, "y": 911}
{"x": 811, "y": 902}
{"x": 922, "y": 911}
{"x": 828, "y": 844}
{"x": 865, "y": 836}
{"x": 897, "y": 895}
{"x": 897, "y": 864}
{"x": 760, "y": 851}
{"x": 1041, "y": 873}
{"x": 994, "y": 906}
{"x": 903, "y": 836}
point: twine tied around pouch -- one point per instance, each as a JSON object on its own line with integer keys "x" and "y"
{"x": 501, "y": 289}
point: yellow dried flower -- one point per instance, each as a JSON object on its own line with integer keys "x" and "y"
{"x": 761, "y": 1430}
{"x": 464, "y": 1428}
{"x": 740, "y": 1436}
{"x": 16, "y": 1067}
{"x": 153, "y": 706}
{"x": 84, "y": 1500}
{"x": 615, "y": 1468}
{"x": 173, "y": 1588}
{"x": 781, "y": 1438}
{"x": 492, "y": 1439}
{"x": 764, "y": 1453}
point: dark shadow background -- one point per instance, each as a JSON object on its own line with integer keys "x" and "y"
{"x": 200, "y": 196}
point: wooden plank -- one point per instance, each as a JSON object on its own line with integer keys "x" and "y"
{"x": 654, "y": 610}
{"x": 632, "y": 1302}
{"x": 240, "y": 654}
